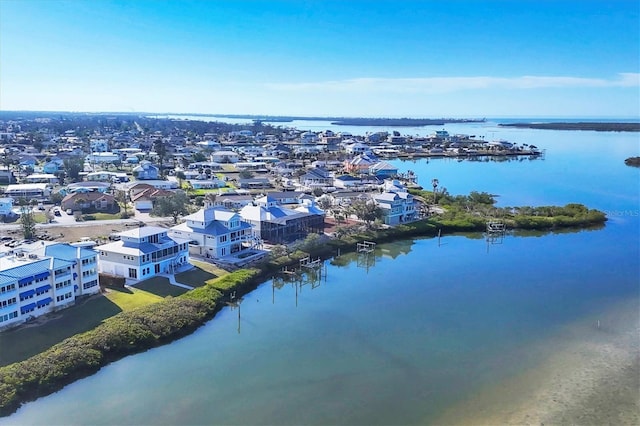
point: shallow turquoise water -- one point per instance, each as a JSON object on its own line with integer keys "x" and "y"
{"x": 398, "y": 338}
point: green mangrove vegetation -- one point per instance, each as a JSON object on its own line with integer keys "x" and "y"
{"x": 471, "y": 213}
{"x": 148, "y": 326}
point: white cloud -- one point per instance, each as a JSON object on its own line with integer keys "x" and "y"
{"x": 450, "y": 84}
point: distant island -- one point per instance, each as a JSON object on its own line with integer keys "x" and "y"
{"x": 597, "y": 126}
{"x": 632, "y": 161}
{"x": 409, "y": 122}
{"x": 349, "y": 121}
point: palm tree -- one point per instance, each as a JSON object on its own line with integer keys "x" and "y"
{"x": 210, "y": 199}
{"x": 434, "y": 183}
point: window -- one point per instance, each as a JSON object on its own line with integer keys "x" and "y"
{"x": 7, "y": 288}
{"x": 25, "y": 284}
{"x": 89, "y": 284}
{"x": 63, "y": 284}
{"x": 223, "y": 239}
{"x": 8, "y": 302}
{"x": 133, "y": 273}
{"x": 7, "y": 317}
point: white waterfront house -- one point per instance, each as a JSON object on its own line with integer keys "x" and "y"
{"x": 214, "y": 232}
{"x": 398, "y": 206}
{"x": 42, "y": 277}
{"x": 143, "y": 253}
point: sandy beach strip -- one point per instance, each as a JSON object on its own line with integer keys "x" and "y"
{"x": 591, "y": 376}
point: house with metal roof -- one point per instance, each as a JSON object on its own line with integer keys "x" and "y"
{"x": 215, "y": 232}
{"x": 277, "y": 224}
{"x": 398, "y": 206}
{"x": 143, "y": 253}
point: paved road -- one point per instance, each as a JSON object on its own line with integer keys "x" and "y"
{"x": 72, "y": 222}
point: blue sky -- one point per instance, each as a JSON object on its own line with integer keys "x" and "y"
{"x": 425, "y": 58}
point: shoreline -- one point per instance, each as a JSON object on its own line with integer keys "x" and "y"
{"x": 594, "y": 126}
{"x": 587, "y": 375}
{"x": 105, "y": 343}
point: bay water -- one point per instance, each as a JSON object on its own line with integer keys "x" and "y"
{"x": 402, "y": 335}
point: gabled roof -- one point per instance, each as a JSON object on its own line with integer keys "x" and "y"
{"x": 88, "y": 196}
{"x": 142, "y": 232}
{"x": 211, "y": 214}
{"x": 214, "y": 228}
{"x": 383, "y": 165}
{"x": 151, "y": 193}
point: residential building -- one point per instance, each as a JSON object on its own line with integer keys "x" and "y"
{"x": 143, "y": 199}
{"x": 42, "y": 178}
{"x": 146, "y": 171}
{"x": 86, "y": 186}
{"x": 233, "y": 201}
{"x": 254, "y": 183}
{"x": 89, "y": 201}
{"x": 28, "y": 190}
{"x": 398, "y": 206}
{"x": 359, "y": 164}
{"x": 102, "y": 158}
{"x": 224, "y": 157}
{"x": 214, "y": 232}
{"x": 42, "y": 277}
{"x": 143, "y": 253}
{"x": 316, "y": 177}
{"x": 104, "y": 176}
{"x": 383, "y": 169}
{"x": 6, "y": 175}
{"x": 277, "y": 224}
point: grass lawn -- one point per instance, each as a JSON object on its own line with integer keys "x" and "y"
{"x": 198, "y": 276}
{"x": 195, "y": 277}
{"x": 106, "y": 216}
{"x": 160, "y": 286}
{"x": 40, "y": 217}
{"x": 127, "y": 299}
{"x": 25, "y": 341}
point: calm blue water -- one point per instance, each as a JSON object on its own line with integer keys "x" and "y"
{"x": 399, "y": 337}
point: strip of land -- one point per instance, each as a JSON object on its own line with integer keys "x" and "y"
{"x": 595, "y": 126}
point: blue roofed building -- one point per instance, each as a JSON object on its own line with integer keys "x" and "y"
{"x": 215, "y": 232}
{"x": 143, "y": 253}
{"x": 39, "y": 278}
{"x": 398, "y": 206}
{"x": 277, "y": 224}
